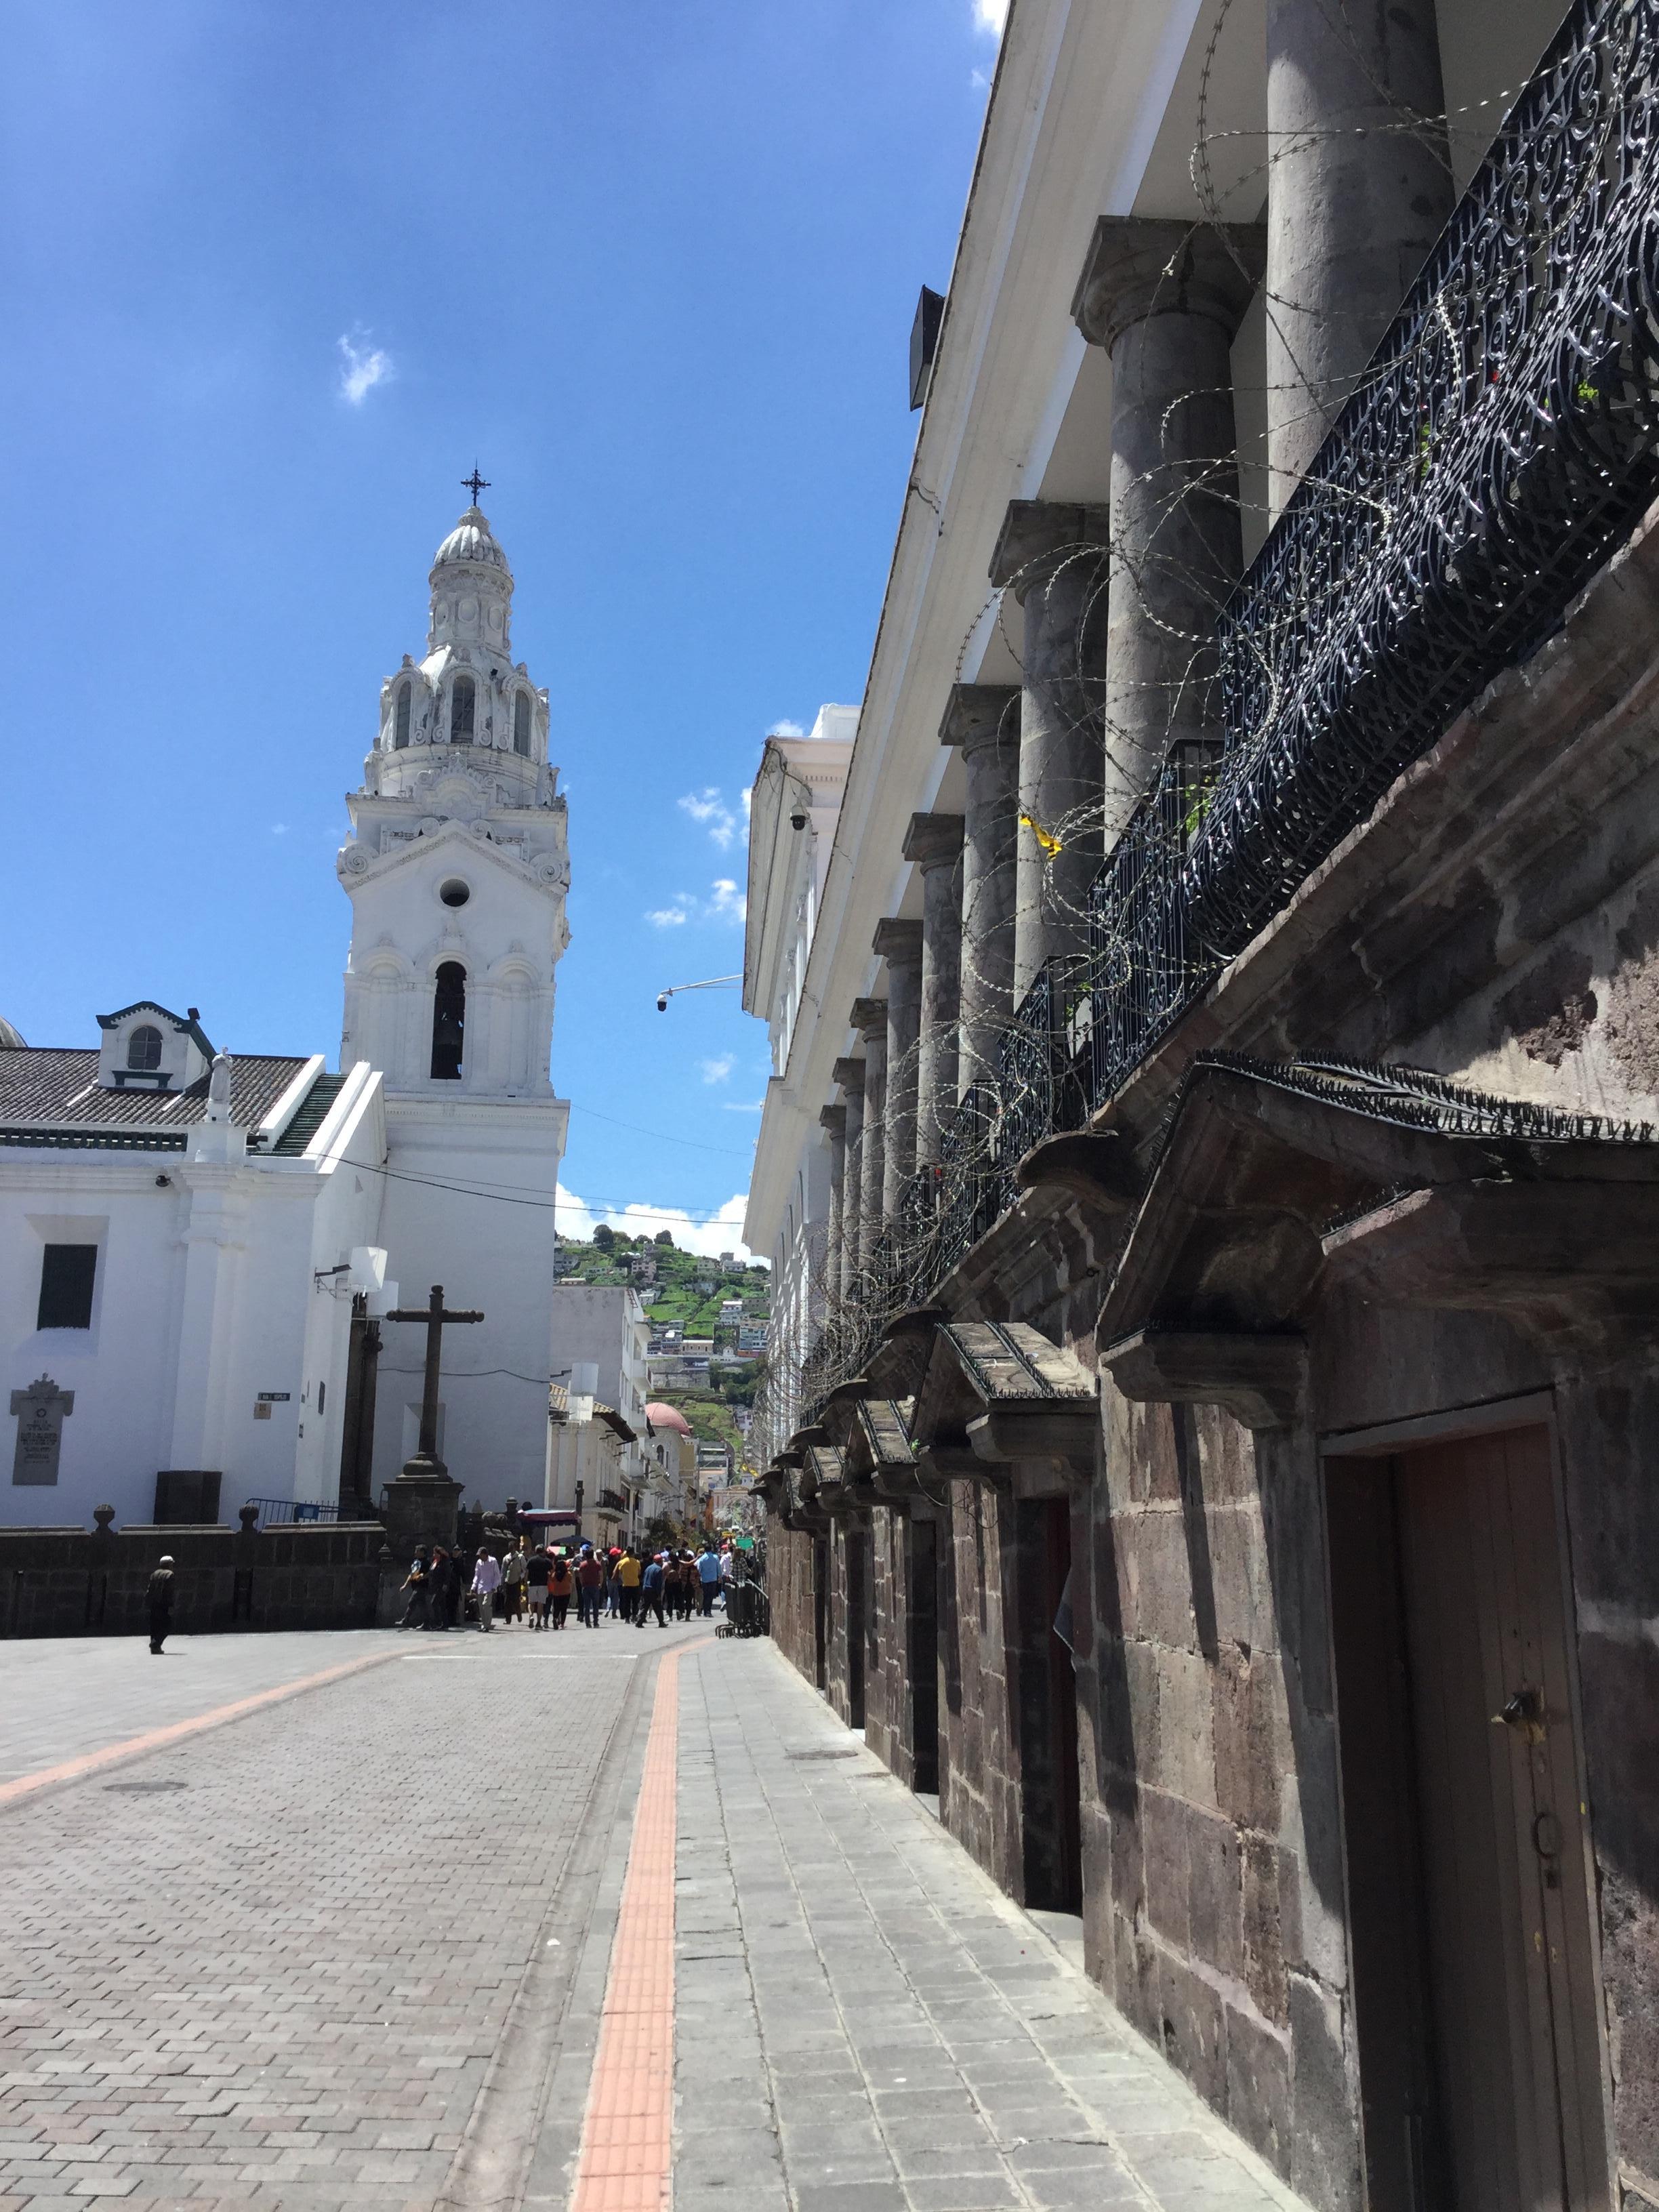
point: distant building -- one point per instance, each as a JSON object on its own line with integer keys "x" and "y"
{"x": 604, "y": 1323}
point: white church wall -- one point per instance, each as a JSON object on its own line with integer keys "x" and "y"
{"x": 202, "y": 1299}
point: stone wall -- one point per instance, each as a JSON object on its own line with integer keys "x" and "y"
{"x": 1495, "y": 921}
{"x": 70, "y": 1582}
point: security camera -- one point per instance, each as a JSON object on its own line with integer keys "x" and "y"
{"x": 662, "y": 1002}
{"x": 798, "y": 819}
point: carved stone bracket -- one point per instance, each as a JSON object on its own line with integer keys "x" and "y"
{"x": 1002, "y": 1406}
{"x": 1098, "y": 1171}
{"x": 1257, "y": 1379}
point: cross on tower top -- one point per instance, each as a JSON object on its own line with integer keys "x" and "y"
{"x": 475, "y": 483}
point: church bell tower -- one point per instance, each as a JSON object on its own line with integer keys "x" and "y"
{"x": 457, "y": 869}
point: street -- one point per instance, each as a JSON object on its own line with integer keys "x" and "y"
{"x": 378, "y": 1938}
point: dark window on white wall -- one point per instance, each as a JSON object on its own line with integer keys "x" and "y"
{"x": 144, "y": 1048}
{"x": 66, "y": 1276}
{"x": 461, "y": 701}
{"x": 401, "y": 730}
{"x": 521, "y": 724}
{"x": 449, "y": 1022}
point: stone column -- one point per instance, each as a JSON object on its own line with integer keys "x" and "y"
{"x": 849, "y": 1074}
{"x": 934, "y": 841}
{"x": 983, "y": 719}
{"x": 1166, "y": 300}
{"x": 869, "y": 1018}
{"x": 899, "y": 944}
{"x": 834, "y": 1119}
{"x": 1051, "y": 556}
{"x": 1359, "y": 187}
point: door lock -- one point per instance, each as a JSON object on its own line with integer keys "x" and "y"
{"x": 1524, "y": 1713}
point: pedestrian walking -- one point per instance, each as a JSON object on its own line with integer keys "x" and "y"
{"x": 158, "y": 1600}
{"x": 444, "y": 1586}
{"x": 486, "y": 1581}
{"x": 560, "y": 1583}
{"x": 708, "y": 1574}
{"x": 650, "y": 1599}
{"x": 538, "y": 1573}
{"x": 629, "y": 1574}
{"x": 418, "y": 1581}
{"x": 590, "y": 1590}
{"x": 728, "y": 1568}
{"x": 514, "y": 1582}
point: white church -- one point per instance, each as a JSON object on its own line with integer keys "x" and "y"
{"x": 198, "y": 1250}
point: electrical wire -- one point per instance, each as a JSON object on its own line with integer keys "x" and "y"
{"x": 504, "y": 1195}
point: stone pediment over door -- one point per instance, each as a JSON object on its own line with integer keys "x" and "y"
{"x": 1000, "y": 1404}
{"x": 1271, "y": 1172}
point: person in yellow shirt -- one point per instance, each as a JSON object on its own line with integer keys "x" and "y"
{"x": 628, "y": 1572}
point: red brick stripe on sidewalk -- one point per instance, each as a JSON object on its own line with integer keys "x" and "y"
{"x": 628, "y": 2133}
{"x": 132, "y": 1747}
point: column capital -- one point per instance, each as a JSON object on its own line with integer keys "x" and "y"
{"x": 933, "y": 840}
{"x": 1037, "y": 534}
{"x": 848, "y": 1075}
{"x": 834, "y": 1118}
{"x": 869, "y": 1018}
{"x": 897, "y": 943}
{"x": 1140, "y": 266}
{"x": 978, "y": 715}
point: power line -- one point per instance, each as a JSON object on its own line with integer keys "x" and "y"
{"x": 505, "y": 1196}
{"x": 661, "y": 1135}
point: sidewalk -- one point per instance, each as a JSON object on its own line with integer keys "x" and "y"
{"x": 865, "y": 2024}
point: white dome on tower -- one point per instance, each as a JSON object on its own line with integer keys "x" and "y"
{"x": 472, "y": 540}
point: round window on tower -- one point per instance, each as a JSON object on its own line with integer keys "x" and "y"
{"x": 454, "y": 892}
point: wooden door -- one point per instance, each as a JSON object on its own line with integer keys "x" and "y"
{"x": 1505, "y": 1888}
{"x": 922, "y": 1666}
{"x": 855, "y": 1557}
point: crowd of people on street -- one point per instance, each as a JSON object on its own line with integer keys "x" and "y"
{"x": 535, "y": 1584}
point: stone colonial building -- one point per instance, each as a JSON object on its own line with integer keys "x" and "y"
{"x": 1219, "y": 1467}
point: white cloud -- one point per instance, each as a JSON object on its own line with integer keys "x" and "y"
{"x": 743, "y": 1105}
{"x": 786, "y": 729}
{"x": 724, "y": 903}
{"x": 362, "y": 367}
{"x": 748, "y": 800}
{"x": 716, "y": 1071}
{"x": 723, "y": 1233}
{"x": 990, "y": 15}
{"x": 710, "y": 807}
{"x": 279, "y": 828}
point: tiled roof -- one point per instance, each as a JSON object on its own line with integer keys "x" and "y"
{"x": 59, "y": 1087}
{"x": 309, "y": 1116}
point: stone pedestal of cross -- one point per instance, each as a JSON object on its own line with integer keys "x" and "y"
{"x": 421, "y": 1503}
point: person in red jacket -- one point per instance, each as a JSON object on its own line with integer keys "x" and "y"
{"x": 590, "y": 1588}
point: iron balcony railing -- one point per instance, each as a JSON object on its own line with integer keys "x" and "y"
{"x": 1503, "y": 444}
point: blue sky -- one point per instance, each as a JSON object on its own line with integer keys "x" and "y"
{"x": 275, "y": 271}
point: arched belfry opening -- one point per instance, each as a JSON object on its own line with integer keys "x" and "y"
{"x": 462, "y": 701}
{"x": 400, "y": 725}
{"x": 449, "y": 1022}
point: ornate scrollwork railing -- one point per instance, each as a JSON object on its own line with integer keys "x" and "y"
{"x": 1505, "y": 441}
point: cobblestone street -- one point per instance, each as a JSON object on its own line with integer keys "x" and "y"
{"x": 352, "y": 1947}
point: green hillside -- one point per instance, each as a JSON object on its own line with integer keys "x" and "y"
{"x": 688, "y": 1290}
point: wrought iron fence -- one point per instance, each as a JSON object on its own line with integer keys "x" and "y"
{"x": 1502, "y": 444}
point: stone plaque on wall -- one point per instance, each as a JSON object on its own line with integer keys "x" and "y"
{"x": 40, "y": 1410}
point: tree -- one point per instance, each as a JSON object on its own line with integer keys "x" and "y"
{"x": 604, "y": 1236}
{"x": 664, "y": 1236}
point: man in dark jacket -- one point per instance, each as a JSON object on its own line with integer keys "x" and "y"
{"x": 445, "y": 1590}
{"x": 158, "y": 1598}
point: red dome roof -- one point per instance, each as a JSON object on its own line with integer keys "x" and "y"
{"x": 668, "y": 1417}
